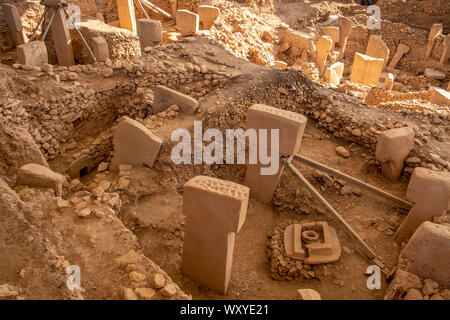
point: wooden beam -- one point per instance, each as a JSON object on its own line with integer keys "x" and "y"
{"x": 156, "y": 9}
{"x": 127, "y": 18}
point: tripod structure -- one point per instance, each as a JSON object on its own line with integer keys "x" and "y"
{"x": 58, "y": 10}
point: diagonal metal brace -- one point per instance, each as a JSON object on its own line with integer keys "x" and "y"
{"x": 403, "y": 203}
{"x": 368, "y": 252}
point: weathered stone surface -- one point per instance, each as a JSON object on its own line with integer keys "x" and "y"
{"x": 393, "y": 146}
{"x": 208, "y": 15}
{"x": 215, "y": 211}
{"x": 308, "y": 294}
{"x": 128, "y": 294}
{"x": 445, "y": 50}
{"x": 434, "y": 74}
{"x": 325, "y": 249}
{"x": 435, "y": 30}
{"x": 429, "y": 286}
{"x": 7, "y": 291}
{"x": 149, "y": 33}
{"x": 333, "y": 33}
{"x": 403, "y": 281}
{"x": 24, "y": 244}
{"x": 61, "y": 37}
{"x": 345, "y": 30}
{"x": 366, "y": 70}
{"x": 333, "y": 74}
{"x": 440, "y": 96}
{"x": 428, "y": 252}
{"x": 134, "y": 144}
{"x": 401, "y": 50}
{"x": 145, "y": 293}
{"x": 12, "y": 18}
{"x": 187, "y": 22}
{"x": 100, "y": 49}
{"x": 17, "y": 148}
{"x": 291, "y": 126}
{"x": 280, "y": 64}
{"x": 413, "y": 294}
{"x": 33, "y": 53}
{"x": 389, "y": 81}
{"x": 165, "y": 97}
{"x": 430, "y": 192}
{"x": 82, "y": 165}
{"x": 33, "y": 174}
{"x": 324, "y": 44}
{"x": 297, "y": 41}
{"x": 376, "y": 48}
{"x": 158, "y": 281}
{"x": 340, "y": 150}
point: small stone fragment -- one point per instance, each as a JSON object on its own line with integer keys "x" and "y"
{"x": 308, "y": 294}
{"x": 342, "y": 152}
{"x": 169, "y": 290}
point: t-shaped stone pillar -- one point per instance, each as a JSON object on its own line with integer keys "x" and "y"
{"x": 333, "y": 74}
{"x": 401, "y": 50}
{"x": 291, "y": 126}
{"x": 324, "y": 44}
{"x": 366, "y": 70}
{"x": 376, "y": 48}
{"x": 345, "y": 30}
{"x": 430, "y": 192}
{"x": 215, "y": 211}
{"x": 61, "y": 38}
{"x": 12, "y": 18}
{"x": 445, "y": 50}
{"x": 149, "y": 33}
{"x": 435, "y": 30}
{"x": 393, "y": 146}
{"x": 333, "y": 33}
{"x": 134, "y": 144}
{"x": 207, "y": 16}
{"x": 187, "y": 22}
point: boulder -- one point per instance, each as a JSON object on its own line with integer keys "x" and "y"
{"x": 33, "y": 174}
{"x": 17, "y": 148}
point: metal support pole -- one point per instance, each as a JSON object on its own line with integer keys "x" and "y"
{"x": 403, "y": 203}
{"x": 304, "y": 182}
{"x": 142, "y": 8}
{"x": 49, "y": 25}
{"x": 81, "y": 36}
{"x": 38, "y": 25}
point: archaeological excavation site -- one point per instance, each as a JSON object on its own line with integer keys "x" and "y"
{"x": 224, "y": 150}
